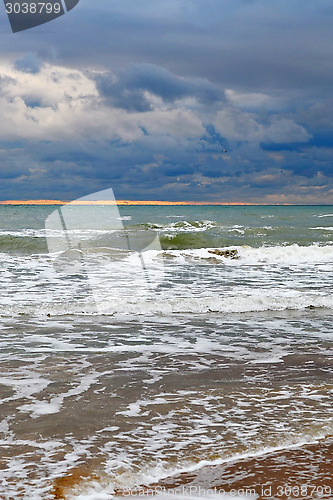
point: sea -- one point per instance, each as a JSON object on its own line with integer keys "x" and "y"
{"x": 166, "y": 352}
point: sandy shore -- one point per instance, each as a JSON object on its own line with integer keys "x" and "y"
{"x": 303, "y": 472}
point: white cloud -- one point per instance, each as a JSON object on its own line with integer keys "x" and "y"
{"x": 64, "y": 104}
{"x": 251, "y": 99}
{"x": 60, "y": 103}
{"x": 49, "y": 86}
{"x": 285, "y": 130}
{"x": 237, "y": 125}
{"x": 178, "y": 122}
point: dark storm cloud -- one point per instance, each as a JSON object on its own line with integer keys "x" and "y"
{"x": 253, "y": 45}
{"x": 126, "y": 88}
{"x": 254, "y": 77}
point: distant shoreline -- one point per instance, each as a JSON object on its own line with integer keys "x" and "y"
{"x": 149, "y": 203}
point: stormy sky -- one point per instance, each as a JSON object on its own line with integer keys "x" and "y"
{"x": 143, "y": 96}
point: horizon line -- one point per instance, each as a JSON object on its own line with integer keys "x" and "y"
{"x": 142, "y": 203}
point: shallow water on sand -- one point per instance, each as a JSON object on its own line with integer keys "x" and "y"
{"x": 135, "y": 400}
{"x": 195, "y": 363}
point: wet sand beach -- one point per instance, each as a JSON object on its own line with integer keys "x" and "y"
{"x": 302, "y": 472}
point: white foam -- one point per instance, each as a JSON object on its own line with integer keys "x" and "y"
{"x": 274, "y": 300}
{"x": 133, "y": 410}
{"x": 23, "y": 233}
{"x": 288, "y": 254}
{"x": 93, "y": 495}
{"x": 193, "y": 281}
{"x": 129, "y": 483}
{"x": 39, "y": 408}
{"x": 186, "y": 226}
{"x": 28, "y": 384}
